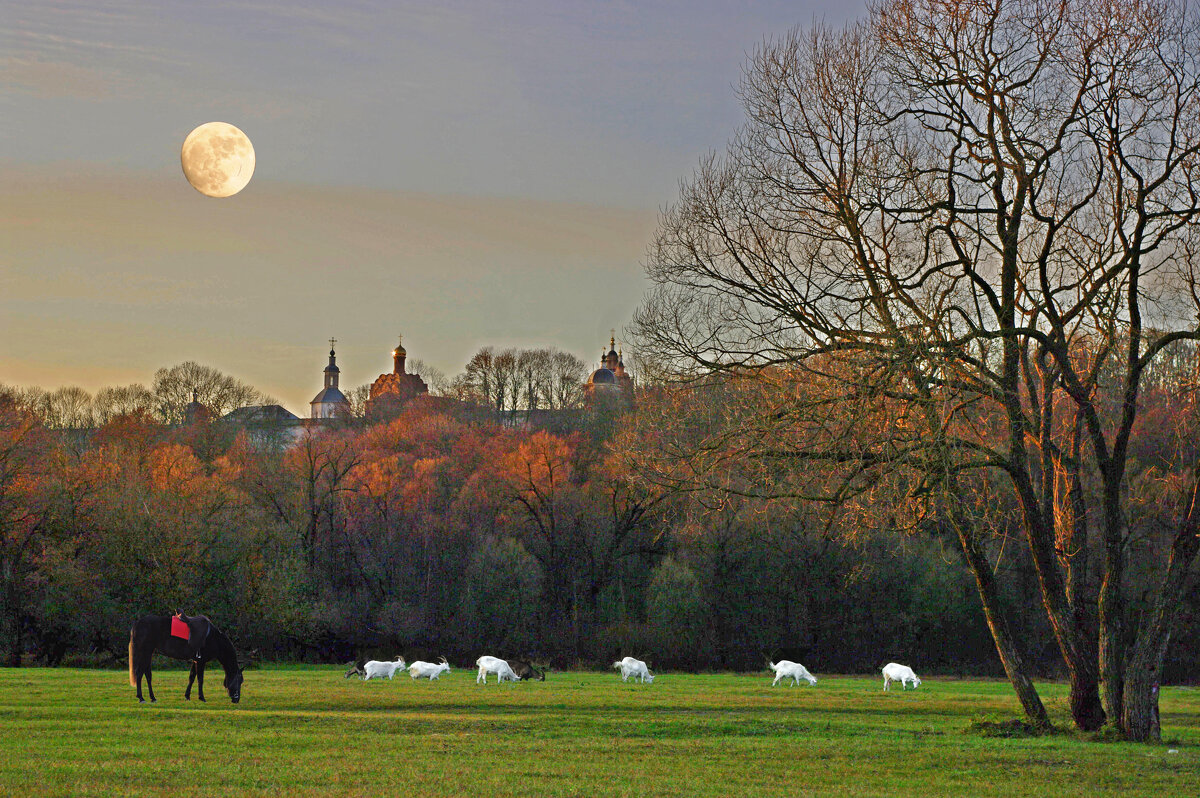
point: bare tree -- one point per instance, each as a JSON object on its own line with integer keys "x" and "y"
{"x": 524, "y": 380}
{"x": 980, "y": 219}
{"x": 435, "y": 378}
{"x": 532, "y": 366}
{"x": 175, "y": 387}
{"x": 121, "y": 401}
{"x": 488, "y": 380}
{"x": 562, "y": 383}
{"x": 357, "y": 397}
{"x": 69, "y": 407}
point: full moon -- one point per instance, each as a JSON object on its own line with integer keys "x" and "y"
{"x": 218, "y": 159}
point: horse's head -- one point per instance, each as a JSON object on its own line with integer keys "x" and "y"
{"x": 234, "y": 685}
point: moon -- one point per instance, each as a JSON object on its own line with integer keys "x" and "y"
{"x": 218, "y": 159}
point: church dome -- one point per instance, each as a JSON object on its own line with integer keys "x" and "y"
{"x": 602, "y": 377}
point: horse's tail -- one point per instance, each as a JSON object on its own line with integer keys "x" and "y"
{"x": 132, "y": 682}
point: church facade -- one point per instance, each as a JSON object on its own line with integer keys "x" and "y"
{"x": 391, "y": 392}
{"x": 330, "y": 402}
{"x": 609, "y": 383}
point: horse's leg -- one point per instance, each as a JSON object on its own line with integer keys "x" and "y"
{"x": 142, "y": 668}
{"x": 199, "y": 668}
{"x": 137, "y": 674}
{"x": 187, "y": 694}
{"x": 135, "y": 663}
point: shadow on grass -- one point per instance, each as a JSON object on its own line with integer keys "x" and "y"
{"x": 1013, "y": 728}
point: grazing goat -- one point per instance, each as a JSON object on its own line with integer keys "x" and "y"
{"x": 354, "y": 669}
{"x": 375, "y": 668}
{"x": 428, "y": 670}
{"x": 494, "y": 665}
{"x": 634, "y": 667}
{"x": 785, "y": 669}
{"x": 527, "y": 670}
{"x": 895, "y": 672}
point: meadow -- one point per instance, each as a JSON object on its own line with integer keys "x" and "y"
{"x": 304, "y": 730}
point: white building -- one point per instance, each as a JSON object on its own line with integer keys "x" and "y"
{"x": 330, "y": 402}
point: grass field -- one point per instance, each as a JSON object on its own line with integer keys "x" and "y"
{"x": 307, "y": 731}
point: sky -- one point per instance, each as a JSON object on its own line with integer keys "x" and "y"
{"x": 465, "y": 173}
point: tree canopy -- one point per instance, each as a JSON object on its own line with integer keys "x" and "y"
{"x": 973, "y": 223}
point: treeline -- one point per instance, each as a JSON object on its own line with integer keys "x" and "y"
{"x": 508, "y": 381}
{"x": 165, "y": 400}
{"x": 439, "y": 530}
{"x": 443, "y": 531}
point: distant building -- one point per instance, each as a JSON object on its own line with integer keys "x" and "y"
{"x": 263, "y": 414}
{"x": 330, "y": 402}
{"x": 196, "y": 413}
{"x": 391, "y": 392}
{"x": 610, "y": 383}
{"x": 267, "y": 426}
{"x": 610, "y": 389}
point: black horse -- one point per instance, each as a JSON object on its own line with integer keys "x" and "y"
{"x": 204, "y": 642}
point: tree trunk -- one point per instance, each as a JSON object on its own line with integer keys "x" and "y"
{"x": 1139, "y": 718}
{"x": 1139, "y": 713}
{"x": 1073, "y": 553}
{"x": 1078, "y": 654}
{"x": 14, "y": 617}
{"x": 1015, "y": 666}
{"x": 1077, "y": 647}
{"x": 1112, "y": 609}
{"x": 1086, "y": 708}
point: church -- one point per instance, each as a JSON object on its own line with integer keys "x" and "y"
{"x": 330, "y": 402}
{"x": 610, "y": 382}
{"x": 388, "y": 394}
{"x": 610, "y": 387}
{"x": 391, "y": 392}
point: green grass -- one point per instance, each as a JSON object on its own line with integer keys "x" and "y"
{"x": 307, "y": 731}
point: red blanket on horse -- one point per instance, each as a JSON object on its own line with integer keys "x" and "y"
{"x": 179, "y": 627}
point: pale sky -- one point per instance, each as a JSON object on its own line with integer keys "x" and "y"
{"x": 465, "y": 173}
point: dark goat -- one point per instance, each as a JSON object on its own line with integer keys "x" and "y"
{"x": 527, "y": 670}
{"x": 355, "y": 669}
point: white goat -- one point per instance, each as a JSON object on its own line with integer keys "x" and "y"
{"x": 895, "y": 672}
{"x": 375, "y": 668}
{"x": 494, "y": 665}
{"x": 786, "y": 669}
{"x": 633, "y": 667}
{"x": 428, "y": 670}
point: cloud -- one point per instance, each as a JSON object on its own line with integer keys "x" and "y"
{"x": 34, "y": 75}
